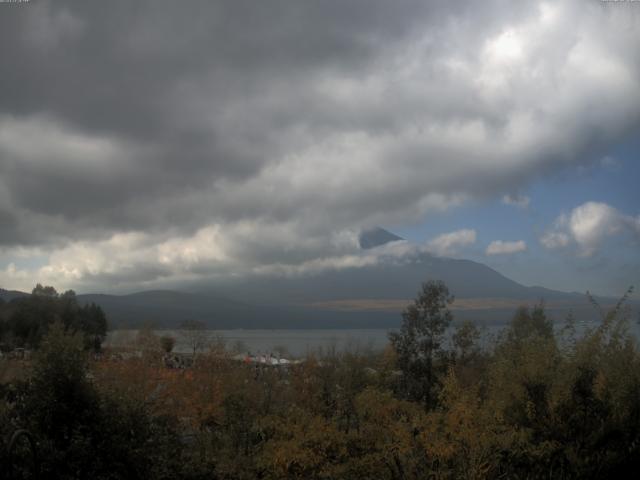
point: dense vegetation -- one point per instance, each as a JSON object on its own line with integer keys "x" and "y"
{"x": 534, "y": 404}
{"x": 24, "y": 321}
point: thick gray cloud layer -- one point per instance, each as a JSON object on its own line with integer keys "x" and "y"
{"x": 195, "y": 138}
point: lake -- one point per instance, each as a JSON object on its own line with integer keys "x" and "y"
{"x": 298, "y": 342}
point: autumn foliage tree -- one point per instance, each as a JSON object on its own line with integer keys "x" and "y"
{"x": 530, "y": 404}
{"x": 81, "y": 431}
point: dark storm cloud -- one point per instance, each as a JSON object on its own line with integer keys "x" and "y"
{"x": 207, "y": 90}
{"x": 281, "y": 123}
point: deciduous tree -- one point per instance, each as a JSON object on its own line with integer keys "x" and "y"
{"x": 419, "y": 343}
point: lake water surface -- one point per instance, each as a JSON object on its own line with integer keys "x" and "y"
{"x": 297, "y": 342}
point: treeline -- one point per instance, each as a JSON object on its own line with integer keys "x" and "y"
{"x": 534, "y": 404}
{"x": 24, "y": 321}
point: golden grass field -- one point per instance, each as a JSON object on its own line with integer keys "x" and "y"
{"x": 397, "y": 305}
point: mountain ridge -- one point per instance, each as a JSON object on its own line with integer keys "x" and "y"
{"x": 372, "y": 295}
{"x": 358, "y": 297}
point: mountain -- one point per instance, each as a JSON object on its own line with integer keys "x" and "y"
{"x": 371, "y": 296}
{"x": 367, "y": 297}
{"x": 381, "y": 291}
{"x": 167, "y": 309}
{"x": 8, "y": 295}
{"x": 389, "y": 279}
{"x": 376, "y": 237}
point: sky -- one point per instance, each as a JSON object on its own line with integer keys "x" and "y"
{"x": 154, "y": 144}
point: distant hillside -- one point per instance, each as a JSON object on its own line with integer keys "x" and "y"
{"x": 381, "y": 291}
{"x": 8, "y": 295}
{"x": 389, "y": 280}
{"x": 169, "y": 308}
{"x": 364, "y": 297}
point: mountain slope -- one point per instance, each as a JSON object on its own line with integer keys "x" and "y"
{"x": 359, "y": 297}
{"x": 8, "y": 295}
{"x": 390, "y": 279}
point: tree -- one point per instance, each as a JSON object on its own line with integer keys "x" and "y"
{"x": 465, "y": 341}
{"x": 31, "y": 316}
{"x": 418, "y": 345}
{"x": 59, "y": 402}
{"x": 93, "y": 323}
{"x": 195, "y": 334}
{"x": 46, "y": 291}
{"x": 167, "y": 343}
{"x": 83, "y": 432}
{"x": 526, "y": 323}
